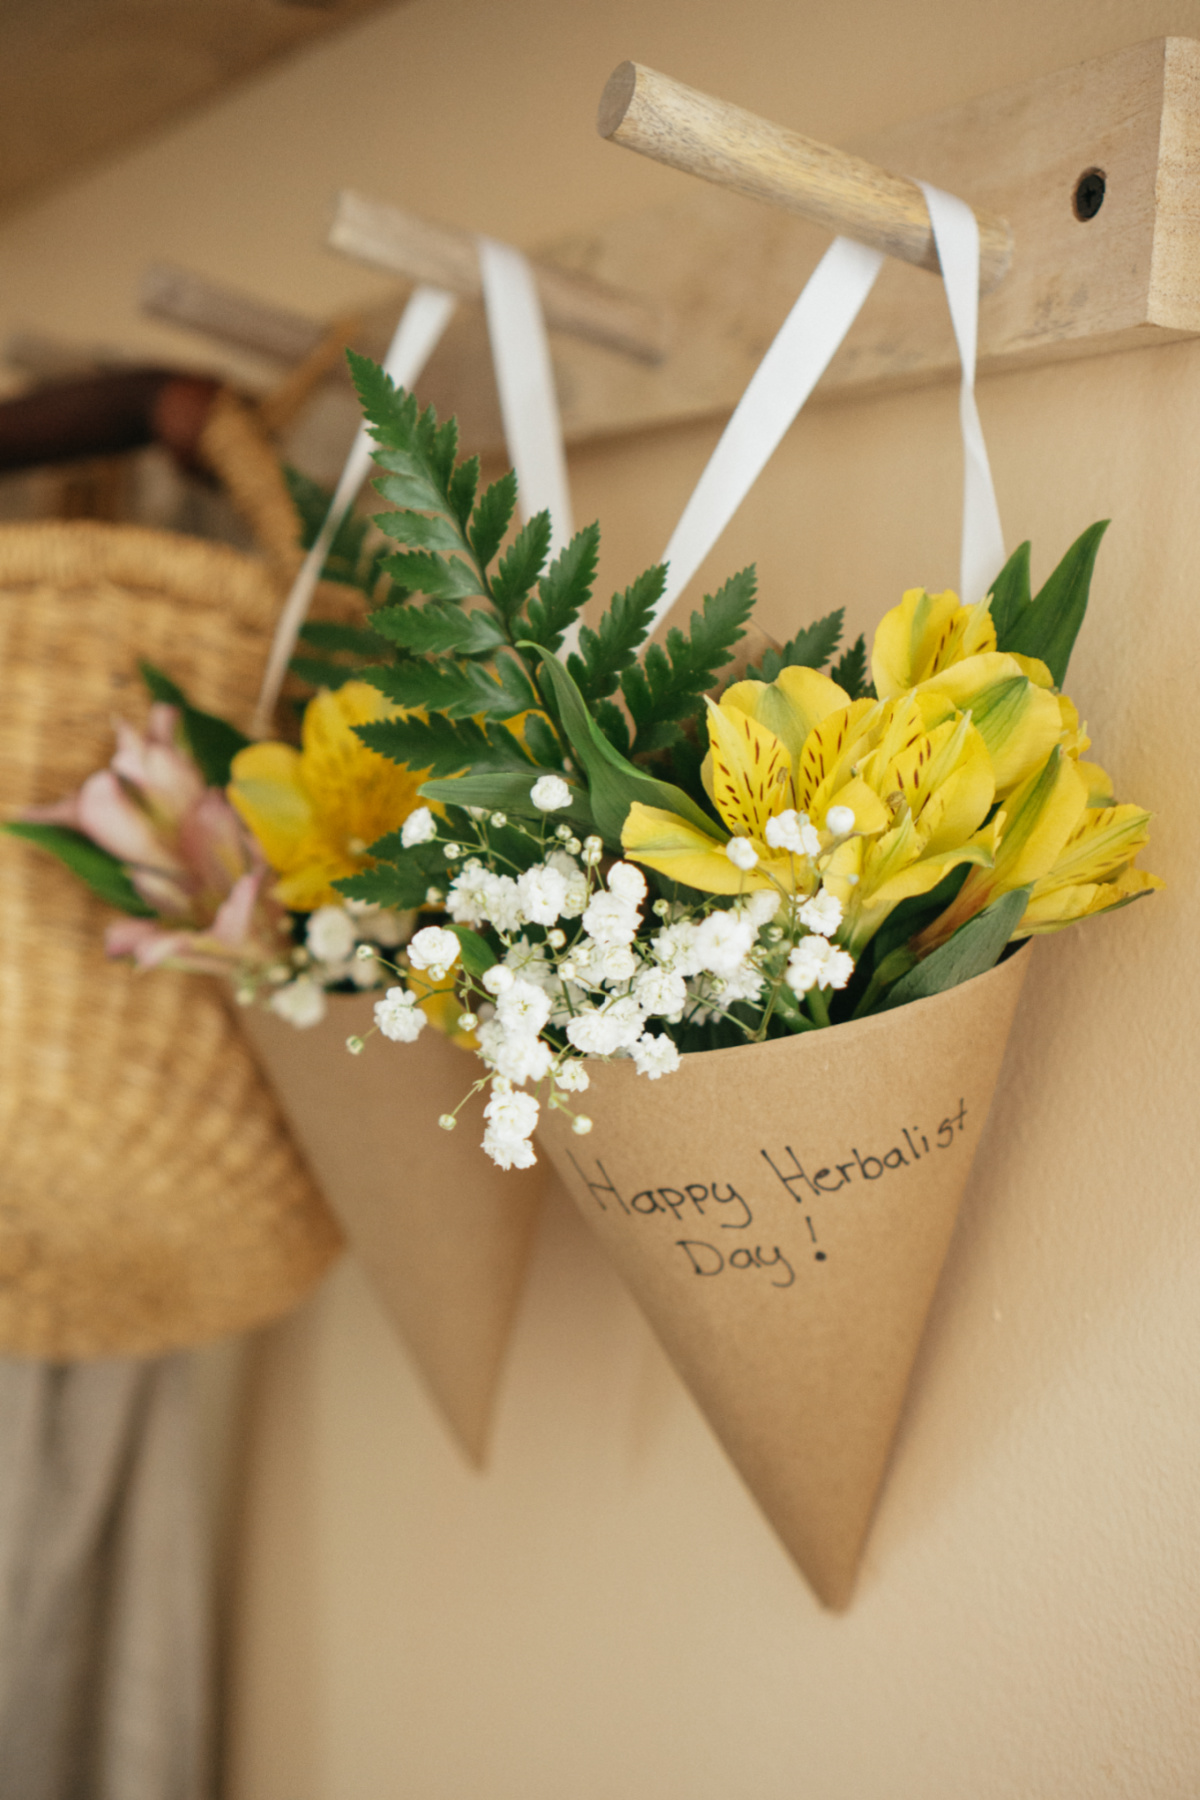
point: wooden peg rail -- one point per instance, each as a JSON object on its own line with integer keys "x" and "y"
{"x": 648, "y": 112}
{"x": 1095, "y": 170}
{"x": 388, "y": 238}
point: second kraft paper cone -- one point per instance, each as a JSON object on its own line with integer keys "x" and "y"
{"x": 443, "y": 1235}
{"x": 781, "y": 1213}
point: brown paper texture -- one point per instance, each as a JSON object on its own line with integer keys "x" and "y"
{"x": 442, "y": 1234}
{"x": 781, "y": 1213}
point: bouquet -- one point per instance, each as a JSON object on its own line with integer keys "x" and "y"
{"x": 641, "y": 854}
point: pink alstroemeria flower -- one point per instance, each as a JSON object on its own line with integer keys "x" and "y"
{"x": 186, "y": 851}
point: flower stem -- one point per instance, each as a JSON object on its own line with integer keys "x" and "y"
{"x": 818, "y": 1006}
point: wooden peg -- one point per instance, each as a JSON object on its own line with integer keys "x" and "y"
{"x": 677, "y": 125}
{"x": 184, "y": 298}
{"x": 445, "y": 257}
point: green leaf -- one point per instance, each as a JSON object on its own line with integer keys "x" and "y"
{"x": 672, "y": 680}
{"x": 412, "y": 491}
{"x": 613, "y": 783}
{"x": 542, "y": 742}
{"x": 521, "y": 564}
{"x": 439, "y": 629}
{"x": 508, "y": 794}
{"x": 809, "y": 649}
{"x": 1011, "y": 592}
{"x": 331, "y": 634}
{"x": 1049, "y": 625}
{"x": 477, "y": 954}
{"x": 851, "y": 672}
{"x": 975, "y": 948}
{"x": 312, "y": 502}
{"x": 493, "y": 517}
{"x": 401, "y": 886}
{"x": 459, "y": 690}
{"x": 319, "y": 674}
{"x": 564, "y": 589}
{"x": 102, "y": 872}
{"x": 441, "y": 578}
{"x": 604, "y": 653}
{"x": 425, "y": 531}
{"x": 461, "y": 489}
{"x": 443, "y": 746}
{"x": 213, "y": 741}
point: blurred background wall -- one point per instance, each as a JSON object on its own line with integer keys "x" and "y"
{"x": 604, "y": 1615}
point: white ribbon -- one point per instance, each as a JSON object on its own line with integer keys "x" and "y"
{"x": 956, "y": 234}
{"x": 528, "y": 409}
{"x": 528, "y": 402}
{"x": 802, "y": 351}
{"x": 414, "y": 340}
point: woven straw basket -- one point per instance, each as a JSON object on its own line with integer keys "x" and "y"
{"x": 149, "y": 1195}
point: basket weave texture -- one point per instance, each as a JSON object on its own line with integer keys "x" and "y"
{"x": 150, "y": 1197}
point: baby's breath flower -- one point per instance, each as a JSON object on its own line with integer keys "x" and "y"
{"x": 815, "y": 962}
{"x": 301, "y": 1002}
{"x": 419, "y": 828}
{"x": 840, "y": 820}
{"x": 447, "y": 1121}
{"x": 563, "y": 832}
{"x": 655, "y": 1055}
{"x": 365, "y": 953}
{"x": 467, "y": 1021}
{"x": 434, "y": 949}
{"x": 452, "y": 852}
{"x": 355, "y": 1045}
{"x": 793, "y": 831}
{"x": 330, "y": 934}
{"x": 399, "y": 1017}
{"x": 572, "y": 1077}
{"x": 434, "y": 896}
{"x": 497, "y": 978}
{"x": 550, "y": 793}
{"x": 556, "y": 938}
{"x": 822, "y": 914}
{"x": 741, "y": 853}
{"x": 499, "y": 820}
{"x": 581, "y": 1125}
{"x": 593, "y": 850}
{"x": 572, "y": 845}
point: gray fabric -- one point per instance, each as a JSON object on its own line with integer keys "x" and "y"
{"x": 104, "y": 1651}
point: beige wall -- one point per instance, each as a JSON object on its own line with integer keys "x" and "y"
{"x": 605, "y": 1616}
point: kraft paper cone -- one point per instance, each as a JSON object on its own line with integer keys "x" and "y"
{"x": 442, "y": 1234}
{"x": 781, "y": 1213}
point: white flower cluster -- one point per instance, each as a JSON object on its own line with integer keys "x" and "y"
{"x": 341, "y": 943}
{"x": 581, "y": 972}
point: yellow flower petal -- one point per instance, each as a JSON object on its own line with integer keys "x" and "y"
{"x": 316, "y": 810}
{"x": 790, "y": 705}
{"x": 665, "y": 842}
{"x": 751, "y": 771}
{"x": 923, "y": 635}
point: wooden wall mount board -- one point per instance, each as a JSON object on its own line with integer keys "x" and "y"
{"x": 781, "y": 1213}
{"x": 718, "y": 272}
{"x": 725, "y": 270}
{"x": 443, "y": 1236}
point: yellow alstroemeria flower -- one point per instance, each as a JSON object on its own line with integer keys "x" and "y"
{"x": 939, "y": 788}
{"x": 1026, "y": 837}
{"x": 1093, "y": 871}
{"x": 922, "y": 793}
{"x": 925, "y": 634}
{"x": 775, "y": 747}
{"x": 316, "y": 810}
{"x": 1019, "y": 718}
